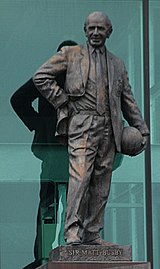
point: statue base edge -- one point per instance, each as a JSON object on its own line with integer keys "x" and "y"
{"x": 96, "y": 265}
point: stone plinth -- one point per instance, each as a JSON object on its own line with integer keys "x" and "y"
{"x": 96, "y": 265}
{"x": 93, "y": 257}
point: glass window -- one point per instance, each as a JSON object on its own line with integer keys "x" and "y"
{"x": 125, "y": 215}
{"x": 154, "y": 27}
{"x": 30, "y": 33}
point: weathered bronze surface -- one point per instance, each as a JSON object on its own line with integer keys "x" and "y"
{"x": 89, "y": 109}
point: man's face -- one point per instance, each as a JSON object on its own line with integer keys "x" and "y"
{"x": 96, "y": 30}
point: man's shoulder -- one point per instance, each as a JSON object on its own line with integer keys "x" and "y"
{"x": 114, "y": 57}
{"x": 74, "y": 49}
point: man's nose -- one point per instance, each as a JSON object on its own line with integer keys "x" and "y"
{"x": 95, "y": 31}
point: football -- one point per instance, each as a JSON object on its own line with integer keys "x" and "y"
{"x": 131, "y": 142}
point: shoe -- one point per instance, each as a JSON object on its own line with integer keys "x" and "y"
{"x": 33, "y": 265}
{"x": 72, "y": 237}
{"x": 99, "y": 241}
{"x": 73, "y": 240}
{"x": 73, "y": 243}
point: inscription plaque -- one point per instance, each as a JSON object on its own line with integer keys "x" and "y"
{"x": 91, "y": 253}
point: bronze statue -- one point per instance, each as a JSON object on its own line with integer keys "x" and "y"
{"x": 89, "y": 109}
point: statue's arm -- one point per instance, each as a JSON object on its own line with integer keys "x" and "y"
{"x": 45, "y": 79}
{"x": 21, "y": 102}
{"x": 130, "y": 109}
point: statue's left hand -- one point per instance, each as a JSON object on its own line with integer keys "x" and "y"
{"x": 144, "y": 145}
{"x": 145, "y": 141}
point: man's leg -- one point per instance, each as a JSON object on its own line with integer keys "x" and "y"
{"x": 82, "y": 147}
{"x": 46, "y": 196}
{"x": 46, "y": 199}
{"x": 99, "y": 186}
{"x": 85, "y": 137}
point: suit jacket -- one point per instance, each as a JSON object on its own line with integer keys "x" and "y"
{"x": 43, "y": 121}
{"x": 75, "y": 62}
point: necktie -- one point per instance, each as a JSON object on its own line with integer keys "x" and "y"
{"x": 100, "y": 84}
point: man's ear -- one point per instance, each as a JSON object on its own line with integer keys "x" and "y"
{"x": 85, "y": 30}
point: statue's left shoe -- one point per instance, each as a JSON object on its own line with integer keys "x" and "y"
{"x": 33, "y": 265}
{"x": 99, "y": 241}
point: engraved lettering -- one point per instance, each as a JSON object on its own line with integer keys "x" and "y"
{"x": 120, "y": 252}
{"x": 70, "y": 252}
{"x": 96, "y": 252}
{"x": 89, "y": 252}
{"x": 84, "y": 252}
{"x": 77, "y": 252}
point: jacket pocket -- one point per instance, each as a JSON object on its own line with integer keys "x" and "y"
{"x": 117, "y": 87}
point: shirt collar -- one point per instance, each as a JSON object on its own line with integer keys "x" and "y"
{"x": 92, "y": 49}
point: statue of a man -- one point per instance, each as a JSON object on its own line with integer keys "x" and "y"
{"x": 96, "y": 95}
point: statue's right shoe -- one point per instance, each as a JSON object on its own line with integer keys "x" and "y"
{"x": 99, "y": 241}
{"x": 72, "y": 237}
{"x": 73, "y": 242}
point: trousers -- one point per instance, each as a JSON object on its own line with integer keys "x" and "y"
{"x": 91, "y": 149}
{"x": 46, "y": 198}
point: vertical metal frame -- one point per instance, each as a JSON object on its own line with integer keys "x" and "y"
{"x": 148, "y": 180}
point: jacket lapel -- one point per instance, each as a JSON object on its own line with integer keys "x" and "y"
{"x": 110, "y": 66}
{"x": 84, "y": 64}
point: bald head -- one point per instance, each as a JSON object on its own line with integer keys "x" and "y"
{"x": 99, "y": 16}
{"x": 97, "y": 28}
